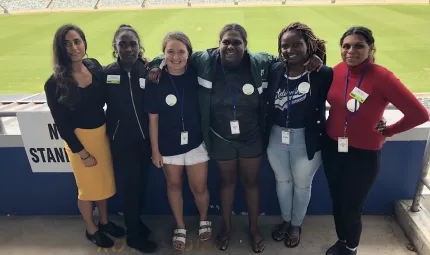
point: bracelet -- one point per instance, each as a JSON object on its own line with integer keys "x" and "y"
{"x": 89, "y": 155}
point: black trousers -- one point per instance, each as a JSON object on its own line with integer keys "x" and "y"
{"x": 350, "y": 176}
{"x": 133, "y": 161}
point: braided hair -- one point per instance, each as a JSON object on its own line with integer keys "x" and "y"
{"x": 314, "y": 44}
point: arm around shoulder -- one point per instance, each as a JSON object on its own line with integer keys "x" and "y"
{"x": 198, "y": 58}
{"x": 327, "y": 72}
{"x": 267, "y": 57}
{"x": 157, "y": 62}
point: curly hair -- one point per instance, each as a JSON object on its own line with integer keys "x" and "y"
{"x": 315, "y": 45}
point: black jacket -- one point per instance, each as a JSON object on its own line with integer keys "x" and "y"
{"x": 87, "y": 113}
{"x": 316, "y": 107}
{"x": 126, "y": 121}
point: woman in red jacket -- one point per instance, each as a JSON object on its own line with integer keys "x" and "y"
{"x": 359, "y": 94}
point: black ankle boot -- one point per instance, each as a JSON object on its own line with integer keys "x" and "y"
{"x": 346, "y": 251}
{"x": 336, "y": 248}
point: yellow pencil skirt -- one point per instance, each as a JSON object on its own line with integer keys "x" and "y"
{"x": 97, "y": 182}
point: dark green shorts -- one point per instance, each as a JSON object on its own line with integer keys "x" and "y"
{"x": 223, "y": 150}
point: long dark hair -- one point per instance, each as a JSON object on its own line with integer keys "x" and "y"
{"x": 67, "y": 86}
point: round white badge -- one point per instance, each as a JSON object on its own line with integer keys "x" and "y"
{"x": 248, "y": 89}
{"x": 171, "y": 100}
{"x": 304, "y": 87}
{"x": 351, "y": 105}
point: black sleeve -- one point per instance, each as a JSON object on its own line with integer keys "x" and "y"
{"x": 61, "y": 115}
{"x": 329, "y": 79}
{"x": 151, "y": 102}
{"x": 324, "y": 78}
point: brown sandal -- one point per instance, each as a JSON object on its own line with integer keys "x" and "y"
{"x": 222, "y": 243}
{"x": 256, "y": 246}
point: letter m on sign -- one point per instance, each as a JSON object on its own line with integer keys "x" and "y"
{"x": 53, "y": 132}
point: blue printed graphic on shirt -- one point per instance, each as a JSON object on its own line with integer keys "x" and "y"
{"x": 290, "y": 98}
{"x": 284, "y": 98}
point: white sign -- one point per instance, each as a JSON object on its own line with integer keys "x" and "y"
{"x": 42, "y": 142}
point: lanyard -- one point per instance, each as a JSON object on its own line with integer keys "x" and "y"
{"x": 233, "y": 97}
{"x": 182, "y": 101}
{"x": 347, "y": 118}
{"x": 290, "y": 99}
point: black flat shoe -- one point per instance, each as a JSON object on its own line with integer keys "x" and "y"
{"x": 336, "y": 248}
{"x": 100, "y": 239}
{"x": 111, "y": 229}
{"x": 346, "y": 251}
{"x": 144, "y": 230}
{"x": 142, "y": 244}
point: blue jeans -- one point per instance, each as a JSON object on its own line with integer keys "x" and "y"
{"x": 294, "y": 173}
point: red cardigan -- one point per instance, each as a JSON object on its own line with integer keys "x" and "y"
{"x": 383, "y": 88}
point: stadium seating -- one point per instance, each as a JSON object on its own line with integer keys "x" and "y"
{"x": 74, "y": 3}
{"x": 118, "y": 3}
{"x": 17, "y": 5}
{"x": 167, "y": 2}
{"x": 258, "y": 1}
{"x": 12, "y": 5}
{"x": 207, "y": 1}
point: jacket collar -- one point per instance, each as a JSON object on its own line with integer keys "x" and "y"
{"x": 134, "y": 68}
{"x": 94, "y": 67}
{"x": 214, "y": 52}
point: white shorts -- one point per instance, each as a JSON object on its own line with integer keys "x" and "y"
{"x": 195, "y": 156}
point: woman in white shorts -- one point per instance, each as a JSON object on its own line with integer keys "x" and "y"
{"x": 176, "y": 139}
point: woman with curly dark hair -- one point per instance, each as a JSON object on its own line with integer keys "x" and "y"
{"x": 296, "y": 117}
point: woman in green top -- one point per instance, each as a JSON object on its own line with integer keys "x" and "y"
{"x": 233, "y": 111}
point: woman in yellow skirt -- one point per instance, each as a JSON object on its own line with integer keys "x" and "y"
{"x": 74, "y": 94}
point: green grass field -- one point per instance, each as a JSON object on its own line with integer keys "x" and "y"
{"x": 402, "y": 36}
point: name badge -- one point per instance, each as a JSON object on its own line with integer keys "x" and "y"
{"x": 234, "y": 125}
{"x": 285, "y": 137}
{"x": 184, "y": 138}
{"x": 142, "y": 83}
{"x": 113, "y": 79}
{"x": 359, "y": 95}
{"x": 342, "y": 144}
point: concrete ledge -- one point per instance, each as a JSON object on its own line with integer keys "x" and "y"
{"x": 11, "y": 141}
{"x": 415, "y": 225}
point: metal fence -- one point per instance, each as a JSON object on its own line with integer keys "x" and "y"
{"x": 423, "y": 179}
